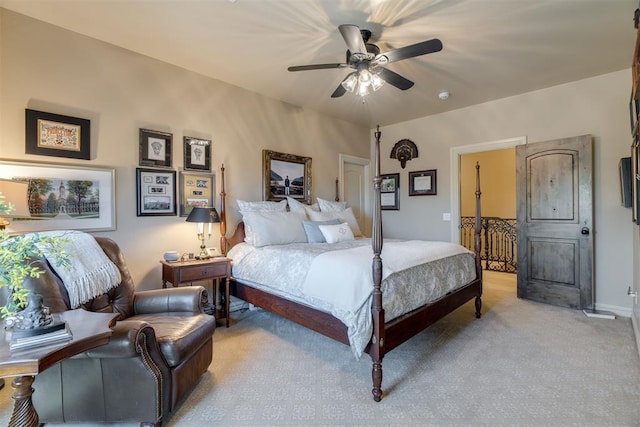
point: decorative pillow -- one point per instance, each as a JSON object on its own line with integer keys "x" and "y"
{"x": 296, "y": 206}
{"x": 264, "y": 206}
{"x": 311, "y": 229}
{"x": 336, "y": 233}
{"x": 273, "y": 228}
{"x": 329, "y": 206}
{"x": 344, "y": 216}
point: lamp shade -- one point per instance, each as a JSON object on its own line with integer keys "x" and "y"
{"x": 203, "y": 215}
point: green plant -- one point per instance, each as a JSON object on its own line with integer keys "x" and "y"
{"x": 16, "y": 262}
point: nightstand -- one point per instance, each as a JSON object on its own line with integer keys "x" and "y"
{"x": 214, "y": 269}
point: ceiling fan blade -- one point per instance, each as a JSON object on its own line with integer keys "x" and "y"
{"x": 339, "y": 91}
{"x": 394, "y": 79}
{"x": 316, "y": 67}
{"x": 353, "y": 38}
{"x": 422, "y": 48}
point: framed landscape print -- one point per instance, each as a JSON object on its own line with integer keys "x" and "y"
{"x": 156, "y": 192}
{"x": 390, "y": 191}
{"x": 286, "y": 175}
{"x": 49, "y": 134}
{"x": 49, "y": 196}
{"x": 155, "y": 148}
{"x": 197, "y": 154}
{"x": 196, "y": 190}
{"x": 423, "y": 183}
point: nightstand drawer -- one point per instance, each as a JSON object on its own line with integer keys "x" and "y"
{"x": 201, "y": 272}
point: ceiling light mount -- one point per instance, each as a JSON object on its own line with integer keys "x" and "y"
{"x": 444, "y": 95}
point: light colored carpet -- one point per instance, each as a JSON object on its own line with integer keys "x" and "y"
{"x": 522, "y": 364}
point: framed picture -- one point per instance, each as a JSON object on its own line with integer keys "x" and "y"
{"x": 155, "y": 148}
{"x": 49, "y": 196}
{"x": 156, "y": 192}
{"x": 197, "y": 154}
{"x": 634, "y": 110}
{"x": 390, "y": 192}
{"x": 286, "y": 175}
{"x": 423, "y": 183}
{"x": 49, "y": 134}
{"x": 634, "y": 183}
{"x": 196, "y": 191}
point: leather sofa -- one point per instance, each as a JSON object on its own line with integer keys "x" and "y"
{"x": 160, "y": 347}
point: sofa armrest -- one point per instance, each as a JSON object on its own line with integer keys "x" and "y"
{"x": 186, "y": 299}
{"x": 127, "y": 336}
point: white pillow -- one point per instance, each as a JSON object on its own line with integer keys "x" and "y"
{"x": 336, "y": 233}
{"x": 311, "y": 229}
{"x": 296, "y": 206}
{"x": 329, "y": 206}
{"x": 263, "y": 206}
{"x": 344, "y": 216}
{"x": 273, "y": 228}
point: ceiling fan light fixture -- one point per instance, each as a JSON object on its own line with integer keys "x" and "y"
{"x": 363, "y": 89}
{"x": 364, "y": 77}
{"x": 350, "y": 82}
{"x": 376, "y": 82}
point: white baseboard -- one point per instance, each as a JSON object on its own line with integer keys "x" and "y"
{"x": 636, "y": 331}
{"x": 620, "y": 311}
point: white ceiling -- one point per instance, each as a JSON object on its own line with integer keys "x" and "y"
{"x": 492, "y": 48}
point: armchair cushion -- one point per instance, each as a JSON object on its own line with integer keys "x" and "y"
{"x": 186, "y": 299}
{"x": 179, "y": 334}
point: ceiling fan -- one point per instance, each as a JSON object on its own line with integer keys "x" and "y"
{"x": 369, "y": 63}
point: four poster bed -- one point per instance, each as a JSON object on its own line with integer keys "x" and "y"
{"x": 432, "y": 285}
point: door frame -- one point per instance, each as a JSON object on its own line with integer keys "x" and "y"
{"x": 458, "y": 151}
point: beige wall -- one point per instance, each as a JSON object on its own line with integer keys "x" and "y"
{"x": 46, "y": 68}
{"x": 498, "y": 178}
{"x": 596, "y": 106}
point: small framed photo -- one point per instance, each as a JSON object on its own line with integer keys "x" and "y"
{"x": 155, "y": 148}
{"x": 49, "y": 134}
{"x": 423, "y": 183}
{"x": 197, "y": 190}
{"x": 197, "y": 154}
{"x": 156, "y": 192}
{"x": 390, "y": 192}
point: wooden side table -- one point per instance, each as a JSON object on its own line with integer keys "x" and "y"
{"x": 89, "y": 330}
{"x": 215, "y": 269}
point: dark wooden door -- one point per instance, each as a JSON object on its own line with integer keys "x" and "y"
{"x": 555, "y": 231}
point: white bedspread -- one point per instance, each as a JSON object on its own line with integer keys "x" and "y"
{"x": 338, "y": 278}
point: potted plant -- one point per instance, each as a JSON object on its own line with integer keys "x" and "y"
{"x": 16, "y": 263}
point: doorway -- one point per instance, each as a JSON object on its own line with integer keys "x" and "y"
{"x": 499, "y": 233}
{"x": 456, "y": 153}
{"x": 354, "y": 187}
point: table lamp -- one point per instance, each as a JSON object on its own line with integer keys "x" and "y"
{"x": 203, "y": 216}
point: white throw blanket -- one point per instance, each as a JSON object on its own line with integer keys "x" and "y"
{"x": 91, "y": 272}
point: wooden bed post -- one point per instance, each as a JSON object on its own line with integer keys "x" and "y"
{"x": 223, "y": 215}
{"x": 477, "y": 241}
{"x": 377, "y": 341}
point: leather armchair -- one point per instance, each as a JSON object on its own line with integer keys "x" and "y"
{"x": 160, "y": 347}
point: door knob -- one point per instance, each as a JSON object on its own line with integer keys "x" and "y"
{"x": 585, "y": 231}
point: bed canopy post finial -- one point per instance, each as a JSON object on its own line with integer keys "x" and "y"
{"x": 477, "y": 239}
{"x": 223, "y": 215}
{"x": 377, "y": 341}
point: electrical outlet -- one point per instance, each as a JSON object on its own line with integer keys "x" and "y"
{"x": 446, "y": 216}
